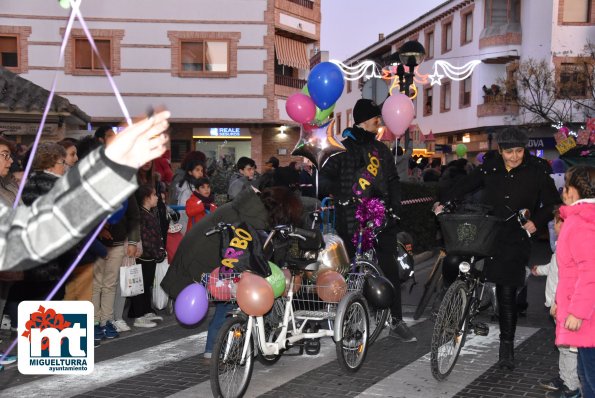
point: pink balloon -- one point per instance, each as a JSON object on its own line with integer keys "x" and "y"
{"x": 254, "y": 295}
{"x": 300, "y": 108}
{"x": 397, "y": 113}
{"x": 220, "y": 289}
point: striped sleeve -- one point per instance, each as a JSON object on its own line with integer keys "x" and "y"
{"x": 55, "y": 222}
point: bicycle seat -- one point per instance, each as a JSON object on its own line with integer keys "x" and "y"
{"x": 302, "y": 264}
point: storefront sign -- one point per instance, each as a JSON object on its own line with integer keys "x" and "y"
{"x": 27, "y": 128}
{"x": 221, "y": 133}
{"x": 541, "y": 143}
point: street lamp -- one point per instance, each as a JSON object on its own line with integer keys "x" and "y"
{"x": 411, "y": 54}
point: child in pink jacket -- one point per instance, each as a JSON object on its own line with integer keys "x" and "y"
{"x": 575, "y": 296}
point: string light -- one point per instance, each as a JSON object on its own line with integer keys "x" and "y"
{"x": 455, "y": 73}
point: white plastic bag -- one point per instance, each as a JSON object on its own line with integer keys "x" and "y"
{"x": 160, "y": 298}
{"x": 131, "y": 278}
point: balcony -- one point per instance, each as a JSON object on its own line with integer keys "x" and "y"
{"x": 497, "y": 105}
{"x": 304, "y": 3}
{"x": 289, "y": 81}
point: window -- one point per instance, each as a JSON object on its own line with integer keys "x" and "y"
{"x": 348, "y": 119}
{"x": 348, "y": 84}
{"x": 502, "y": 12}
{"x": 430, "y": 45}
{"x": 338, "y": 124}
{"x": 572, "y": 81}
{"x": 204, "y": 56}
{"x": 465, "y": 89}
{"x": 9, "y": 53}
{"x": 467, "y": 26}
{"x": 576, "y": 11}
{"x": 428, "y": 101}
{"x": 447, "y": 37}
{"x": 445, "y": 98}
{"x": 86, "y": 59}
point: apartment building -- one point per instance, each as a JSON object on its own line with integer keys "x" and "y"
{"x": 499, "y": 33}
{"x": 223, "y": 68}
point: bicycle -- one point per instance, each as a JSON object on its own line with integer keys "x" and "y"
{"x": 243, "y": 337}
{"x": 432, "y": 286}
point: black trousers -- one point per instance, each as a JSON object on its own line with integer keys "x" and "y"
{"x": 507, "y": 311}
{"x": 141, "y": 304}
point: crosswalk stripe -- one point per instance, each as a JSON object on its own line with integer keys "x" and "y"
{"x": 415, "y": 380}
{"x": 111, "y": 370}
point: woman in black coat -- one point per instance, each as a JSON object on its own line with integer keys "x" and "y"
{"x": 511, "y": 179}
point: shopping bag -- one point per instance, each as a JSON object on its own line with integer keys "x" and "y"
{"x": 160, "y": 298}
{"x": 131, "y": 278}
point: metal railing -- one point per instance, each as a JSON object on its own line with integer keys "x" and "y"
{"x": 289, "y": 81}
{"x": 305, "y": 3}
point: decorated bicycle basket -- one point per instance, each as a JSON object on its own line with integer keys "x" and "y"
{"x": 221, "y": 286}
{"x": 469, "y": 234}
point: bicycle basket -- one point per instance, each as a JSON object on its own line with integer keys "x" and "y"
{"x": 469, "y": 234}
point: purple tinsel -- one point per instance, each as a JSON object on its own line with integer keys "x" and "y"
{"x": 369, "y": 209}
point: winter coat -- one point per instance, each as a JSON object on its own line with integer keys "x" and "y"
{"x": 340, "y": 176}
{"x": 199, "y": 254}
{"x": 527, "y": 186}
{"x": 175, "y": 182}
{"x": 127, "y": 228}
{"x": 196, "y": 209}
{"x": 153, "y": 247}
{"x": 163, "y": 167}
{"x": 576, "y": 270}
{"x": 238, "y": 183}
{"x": 551, "y": 270}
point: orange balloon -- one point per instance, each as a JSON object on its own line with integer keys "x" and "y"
{"x": 297, "y": 282}
{"x": 220, "y": 289}
{"x": 254, "y": 294}
{"x": 331, "y": 286}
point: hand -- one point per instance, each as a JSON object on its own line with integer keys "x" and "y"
{"x": 437, "y": 208}
{"x": 553, "y": 310}
{"x": 141, "y": 142}
{"x": 530, "y": 227}
{"x": 105, "y": 234}
{"x": 131, "y": 250}
{"x": 573, "y": 323}
{"x": 139, "y": 250}
{"x": 534, "y": 270}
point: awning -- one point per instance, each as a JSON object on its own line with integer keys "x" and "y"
{"x": 291, "y": 52}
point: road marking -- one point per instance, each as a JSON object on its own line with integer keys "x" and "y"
{"x": 415, "y": 379}
{"x": 111, "y": 370}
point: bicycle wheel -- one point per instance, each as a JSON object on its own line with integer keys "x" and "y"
{"x": 352, "y": 348}
{"x": 230, "y": 375}
{"x": 430, "y": 289}
{"x": 378, "y": 317}
{"x": 272, "y": 320}
{"x": 450, "y": 330}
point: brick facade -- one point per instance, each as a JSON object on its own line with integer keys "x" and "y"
{"x": 509, "y": 38}
{"x": 22, "y": 34}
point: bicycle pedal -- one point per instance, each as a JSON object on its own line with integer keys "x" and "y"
{"x": 312, "y": 347}
{"x": 481, "y": 329}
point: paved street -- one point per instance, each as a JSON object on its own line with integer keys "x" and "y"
{"x": 165, "y": 362}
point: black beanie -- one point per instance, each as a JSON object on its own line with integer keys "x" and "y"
{"x": 512, "y": 137}
{"x": 365, "y": 109}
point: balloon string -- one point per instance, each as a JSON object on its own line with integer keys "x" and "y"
{"x": 46, "y": 109}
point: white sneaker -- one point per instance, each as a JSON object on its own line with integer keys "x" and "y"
{"x": 144, "y": 323}
{"x": 151, "y": 316}
{"x": 121, "y": 326}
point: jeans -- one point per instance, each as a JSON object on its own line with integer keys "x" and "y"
{"x": 586, "y": 371}
{"x": 221, "y": 309}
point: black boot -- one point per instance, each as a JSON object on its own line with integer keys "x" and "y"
{"x": 506, "y": 360}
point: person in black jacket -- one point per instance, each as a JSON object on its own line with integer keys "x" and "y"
{"x": 512, "y": 180}
{"x": 341, "y": 176}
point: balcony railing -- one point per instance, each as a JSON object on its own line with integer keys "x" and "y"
{"x": 304, "y": 3}
{"x": 289, "y": 81}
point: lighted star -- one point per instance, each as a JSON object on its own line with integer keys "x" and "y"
{"x": 435, "y": 78}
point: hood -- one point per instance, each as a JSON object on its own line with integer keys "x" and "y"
{"x": 250, "y": 208}
{"x": 358, "y": 135}
{"x": 584, "y": 209}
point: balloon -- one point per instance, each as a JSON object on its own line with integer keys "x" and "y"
{"x": 461, "y": 150}
{"x": 379, "y": 291}
{"x": 300, "y": 108}
{"x": 64, "y": 4}
{"x": 254, "y": 294}
{"x": 331, "y": 286}
{"x": 118, "y": 214}
{"x": 192, "y": 304}
{"x": 325, "y": 84}
{"x": 317, "y": 144}
{"x": 479, "y": 157}
{"x": 398, "y": 113}
{"x": 321, "y": 114}
{"x": 276, "y": 280}
{"x": 220, "y": 289}
{"x": 297, "y": 282}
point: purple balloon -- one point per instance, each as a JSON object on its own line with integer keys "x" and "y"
{"x": 192, "y": 304}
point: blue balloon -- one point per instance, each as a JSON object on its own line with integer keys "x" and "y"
{"x": 325, "y": 84}
{"x": 118, "y": 214}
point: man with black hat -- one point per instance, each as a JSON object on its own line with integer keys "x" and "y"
{"x": 512, "y": 179}
{"x": 271, "y": 165}
{"x": 342, "y": 177}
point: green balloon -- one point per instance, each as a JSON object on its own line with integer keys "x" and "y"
{"x": 306, "y": 91}
{"x": 461, "y": 150}
{"x": 323, "y": 114}
{"x": 276, "y": 280}
{"x": 64, "y": 4}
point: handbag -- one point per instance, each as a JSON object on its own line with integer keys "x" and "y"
{"x": 131, "y": 278}
{"x": 160, "y": 298}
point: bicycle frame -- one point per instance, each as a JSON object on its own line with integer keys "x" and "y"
{"x": 474, "y": 279}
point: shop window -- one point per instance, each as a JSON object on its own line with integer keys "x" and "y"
{"x": 577, "y": 11}
{"x": 428, "y": 97}
{"x": 445, "y": 97}
{"x": 9, "y": 51}
{"x": 429, "y": 45}
{"x": 85, "y": 58}
{"x": 465, "y": 90}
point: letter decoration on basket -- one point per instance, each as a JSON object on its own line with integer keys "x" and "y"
{"x": 160, "y": 298}
{"x": 242, "y": 250}
{"x": 131, "y": 278}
